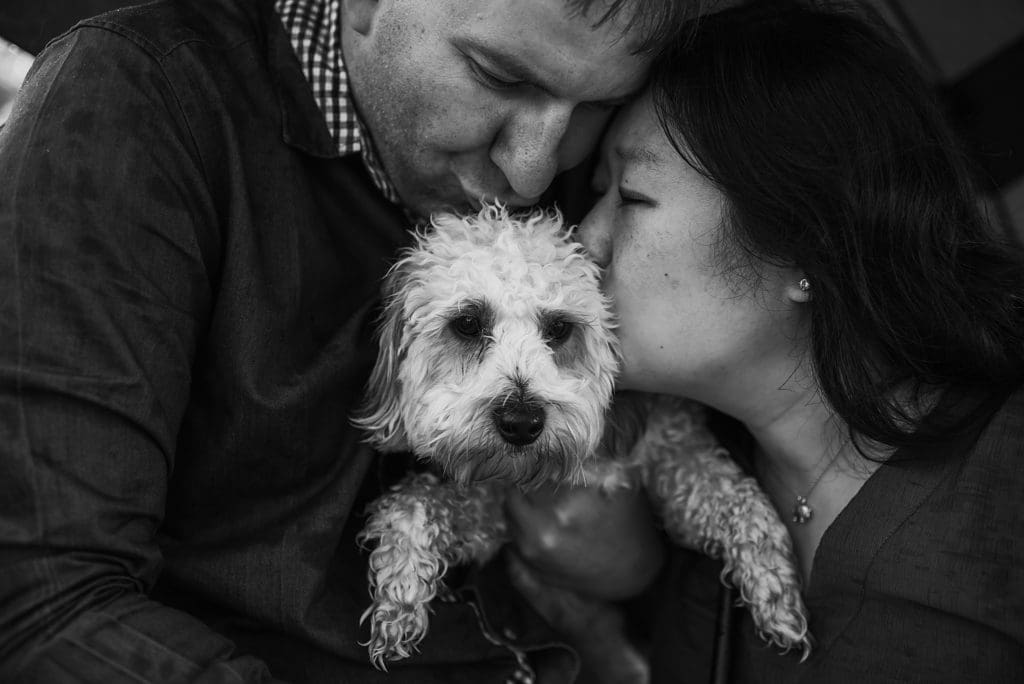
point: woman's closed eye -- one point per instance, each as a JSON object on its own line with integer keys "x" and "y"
{"x": 633, "y": 198}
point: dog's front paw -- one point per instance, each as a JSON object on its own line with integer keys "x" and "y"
{"x": 707, "y": 503}
{"x": 404, "y": 572}
{"x": 759, "y": 559}
{"x": 396, "y": 629}
{"x": 403, "y": 584}
{"x": 769, "y": 585}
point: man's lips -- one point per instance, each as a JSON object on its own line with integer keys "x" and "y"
{"x": 478, "y": 199}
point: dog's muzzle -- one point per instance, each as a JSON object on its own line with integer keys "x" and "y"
{"x": 519, "y": 422}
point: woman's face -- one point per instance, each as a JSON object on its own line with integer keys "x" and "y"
{"x": 685, "y": 327}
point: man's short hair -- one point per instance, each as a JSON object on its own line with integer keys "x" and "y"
{"x": 661, "y": 22}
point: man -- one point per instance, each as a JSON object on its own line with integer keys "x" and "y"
{"x": 197, "y": 202}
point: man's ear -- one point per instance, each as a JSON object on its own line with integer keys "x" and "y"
{"x": 358, "y": 14}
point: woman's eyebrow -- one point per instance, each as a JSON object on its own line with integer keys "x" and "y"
{"x": 642, "y": 156}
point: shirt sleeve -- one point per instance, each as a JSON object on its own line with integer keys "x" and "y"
{"x": 105, "y": 222}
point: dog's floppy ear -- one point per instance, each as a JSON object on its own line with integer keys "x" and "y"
{"x": 380, "y": 413}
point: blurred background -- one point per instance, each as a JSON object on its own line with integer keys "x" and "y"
{"x": 972, "y": 50}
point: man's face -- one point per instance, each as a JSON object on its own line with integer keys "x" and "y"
{"x": 475, "y": 100}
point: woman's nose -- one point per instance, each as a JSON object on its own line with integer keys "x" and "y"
{"x": 595, "y": 234}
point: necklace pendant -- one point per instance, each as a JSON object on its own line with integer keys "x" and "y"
{"x": 802, "y": 511}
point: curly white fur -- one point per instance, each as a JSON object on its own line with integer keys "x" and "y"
{"x": 497, "y": 361}
{"x": 419, "y": 529}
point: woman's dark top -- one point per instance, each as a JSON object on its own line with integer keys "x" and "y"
{"x": 919, "y": 579}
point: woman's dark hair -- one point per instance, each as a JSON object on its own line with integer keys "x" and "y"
{"x": 835, "y": 158}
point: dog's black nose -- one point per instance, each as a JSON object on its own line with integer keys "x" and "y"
{"x": 519, "y": 423}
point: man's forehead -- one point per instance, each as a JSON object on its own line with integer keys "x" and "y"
{"x": 553, "y": 47}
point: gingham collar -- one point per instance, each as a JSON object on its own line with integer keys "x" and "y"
{"x": 314, "y": 30}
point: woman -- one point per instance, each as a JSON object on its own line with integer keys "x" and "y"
{"x": 791, "y": 237}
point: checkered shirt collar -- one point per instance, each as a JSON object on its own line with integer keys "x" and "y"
{"x": 314, "y": 29}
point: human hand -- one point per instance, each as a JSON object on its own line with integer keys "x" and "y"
{"x": 593, "y": 627}
{"x": 601, "y": 544}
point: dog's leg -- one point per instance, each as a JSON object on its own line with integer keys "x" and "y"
{"x": 417, "y": 530}
{"x": 707, "y": 503}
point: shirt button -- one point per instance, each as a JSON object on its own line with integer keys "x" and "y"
{"x": 509, "y": 634}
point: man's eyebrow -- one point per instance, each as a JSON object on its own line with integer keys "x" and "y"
{"x": 516, "y": 67}
{"x": 508, "y": 62}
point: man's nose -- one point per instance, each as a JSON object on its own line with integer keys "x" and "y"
{"x": 537, "y": 144}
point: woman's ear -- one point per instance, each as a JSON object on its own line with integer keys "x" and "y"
{"x": 799, "y": 288}
{"x": 358, "y": 14}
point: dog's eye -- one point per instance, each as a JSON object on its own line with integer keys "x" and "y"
{"x": 467, "y": 326}
{"x": 557, "y": 331}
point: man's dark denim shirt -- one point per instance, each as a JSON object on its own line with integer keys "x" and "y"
{"x": 188, "y": 282}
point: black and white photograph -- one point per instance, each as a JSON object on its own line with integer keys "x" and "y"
{"x": 511, "y": 341}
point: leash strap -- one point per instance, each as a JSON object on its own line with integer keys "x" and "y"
{"x": 722, "y": 656}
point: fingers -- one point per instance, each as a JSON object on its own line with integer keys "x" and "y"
{"x": 535, "y": 524}
{"x": 594, "y": 628}
{"x": 555, "y": 508}
{"x": 522, "y": 577}
{"x": 563, "y": 609}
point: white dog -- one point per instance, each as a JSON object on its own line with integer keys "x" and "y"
{"x": 497, "y": 362}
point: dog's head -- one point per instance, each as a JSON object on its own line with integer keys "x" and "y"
{"x": 497, "y": 353}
